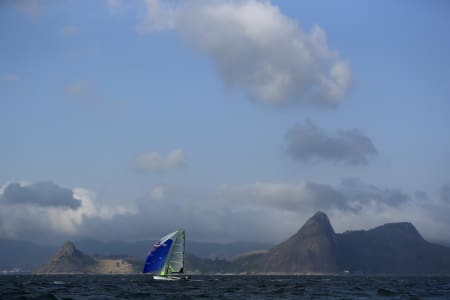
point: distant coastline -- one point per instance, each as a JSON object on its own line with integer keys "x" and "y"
{"x": 390, "y": 249}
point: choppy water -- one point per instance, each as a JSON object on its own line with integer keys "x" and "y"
{"x": 223, "y": 287}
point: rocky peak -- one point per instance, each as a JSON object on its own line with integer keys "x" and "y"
{"x": 68, "y": 249}
{"x": 68, "y": 259}
{"x": 318, "y": 224}
{"x": 311, "y": 249}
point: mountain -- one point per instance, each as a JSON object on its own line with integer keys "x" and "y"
{"x": 69, "y": 260}
{"x": 394, "y": 248}
{"x": 311, "y": 250}
{"x": 27, "y": 256}
{"x": 391, "y": 248}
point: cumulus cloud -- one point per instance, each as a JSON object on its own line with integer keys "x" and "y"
{"x": 307, "y": 142}
{"x": 289, "y": 197}
{"x": 200, "y": 213}
{"x": 262, "y": 211}
{"x": 45, "y": 211}
{"x": 40, "y": 194}
{"x": 270, "y": 212}
{"x": 351, "y": 195}
{"x": 153, "y": 161}
{"x": 257, "y": 49}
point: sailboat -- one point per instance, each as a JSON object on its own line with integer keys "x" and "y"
{"x": 165, "y": 260}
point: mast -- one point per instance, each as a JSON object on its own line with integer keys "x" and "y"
{"x": 184, "y": 249}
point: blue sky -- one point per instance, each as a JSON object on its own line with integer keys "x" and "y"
{"x": 97, "y": 95}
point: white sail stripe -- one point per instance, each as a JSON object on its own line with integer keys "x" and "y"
{"x": 168, "y": 237}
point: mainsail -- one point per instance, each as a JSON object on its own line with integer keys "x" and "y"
{"x": 167, "y": 255}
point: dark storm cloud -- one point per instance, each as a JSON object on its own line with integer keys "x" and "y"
{"x": 41, "y": 194}
{"x": 307, "y": 142}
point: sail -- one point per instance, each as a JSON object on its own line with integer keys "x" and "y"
{"x": 176, "y": 259}
{"x": 167, "y": 255}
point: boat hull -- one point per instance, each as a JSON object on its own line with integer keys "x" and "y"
{"x": 170, "y": 278}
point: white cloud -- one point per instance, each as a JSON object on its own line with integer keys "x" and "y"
{"x": 27, "y": 220}
{"x": 257, "y": 49}
{"x": 271, "y": 212}
{"x": 203, "y": 215}
{"x": 153, "y": 161}
{"x": 262, "y": 211}
{"x": 10, "y": 77}
{"x": 69, "y": 30}
{"x": 336, "y": 83}
{"x": 287, "y": 197}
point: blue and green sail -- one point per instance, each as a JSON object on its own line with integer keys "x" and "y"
{"x": 167, "y": 255}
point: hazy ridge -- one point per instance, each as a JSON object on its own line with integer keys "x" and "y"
{"x": 394, "y": 248}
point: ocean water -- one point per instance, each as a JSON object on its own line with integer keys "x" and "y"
{"x": 223, "y": 287}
